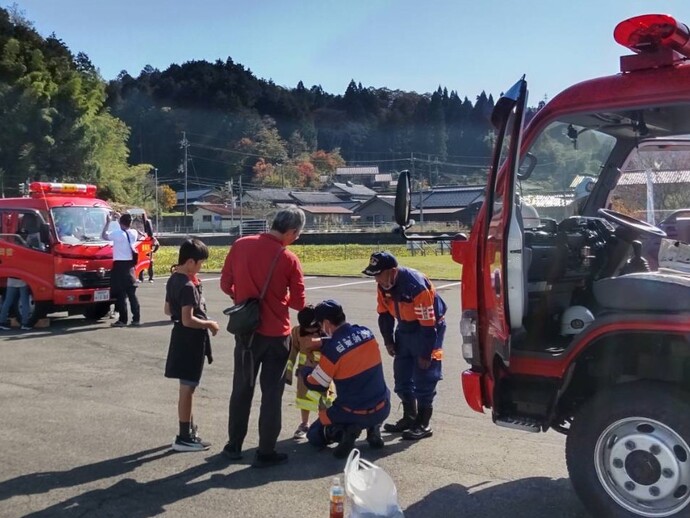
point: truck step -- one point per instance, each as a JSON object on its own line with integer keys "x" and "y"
{"x": 525, "y": 424}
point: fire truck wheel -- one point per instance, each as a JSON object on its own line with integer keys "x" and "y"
{"x": 628, "y": 451}
{"x": 97, "y": 311}
{"x": 37, "y": 310}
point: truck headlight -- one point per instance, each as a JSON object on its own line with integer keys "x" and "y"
{"x": 468, "y": 331}
{"x": 67, "y": 281}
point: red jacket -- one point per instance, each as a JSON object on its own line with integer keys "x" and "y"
{"x": 244, "y": 274}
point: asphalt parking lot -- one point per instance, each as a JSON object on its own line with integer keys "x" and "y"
{"x": 88, "y": 419}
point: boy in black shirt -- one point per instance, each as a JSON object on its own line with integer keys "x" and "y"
{"x": 189, "y": 340}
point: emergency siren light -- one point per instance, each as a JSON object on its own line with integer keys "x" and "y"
{"x": 652, "y": 32}
{"x": 37, "y": 189}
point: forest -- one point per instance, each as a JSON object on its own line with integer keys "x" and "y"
{"x": 62, "y": 121}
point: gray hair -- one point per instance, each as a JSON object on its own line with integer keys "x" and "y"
{"x": 289, "y": 218}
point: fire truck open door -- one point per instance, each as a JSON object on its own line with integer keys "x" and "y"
{"x": 501, "y": 270}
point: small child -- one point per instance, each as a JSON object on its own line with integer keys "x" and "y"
{"x": 189, "y": 340}
{"x": 305, "y": 342}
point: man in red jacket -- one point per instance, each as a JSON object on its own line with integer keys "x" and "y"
{"x": 244, "y": 273}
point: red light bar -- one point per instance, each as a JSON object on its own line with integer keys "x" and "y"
{"x": 62, "y": 189}
{"x": 650, "y": 32}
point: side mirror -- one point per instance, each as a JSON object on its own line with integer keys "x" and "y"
{"x": 403, "y": 200}
{"x": 44, "y": 233}
{"x": 529, "y": 162}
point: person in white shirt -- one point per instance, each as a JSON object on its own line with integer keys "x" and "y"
{"x": 122, "y": 280}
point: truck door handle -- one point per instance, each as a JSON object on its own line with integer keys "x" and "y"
{"x": 497, "y": 283}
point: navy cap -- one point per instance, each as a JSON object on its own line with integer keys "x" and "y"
{"x": 328, "y": 310}
{"x": 380, "y": 262}
{"x": 307, "y": 316}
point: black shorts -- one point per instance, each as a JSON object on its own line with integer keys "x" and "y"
{"x": 186, "y": 353}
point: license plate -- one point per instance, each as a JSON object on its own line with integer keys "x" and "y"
{"x": 101, "y": 295}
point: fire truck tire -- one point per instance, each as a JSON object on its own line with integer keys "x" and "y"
{"x": 628, "y": 451}
{"x": 38, "y": 310}
{"x": 97, "y": 311}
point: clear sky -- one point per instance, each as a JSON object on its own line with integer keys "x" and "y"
{"x": 413, "y": 45}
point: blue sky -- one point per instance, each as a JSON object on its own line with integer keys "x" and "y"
{"x": 399, "y": 44}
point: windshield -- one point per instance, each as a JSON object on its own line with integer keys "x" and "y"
{"x": 568, "y": 160}
{"x": 76, "y": 225}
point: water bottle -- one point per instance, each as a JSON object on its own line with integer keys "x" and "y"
{"x": 337, "y": 497}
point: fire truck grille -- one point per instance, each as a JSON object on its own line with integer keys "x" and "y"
{"x": 92, "y": 279}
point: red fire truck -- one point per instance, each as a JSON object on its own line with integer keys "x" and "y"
{"x": 52, "y": 241}
{"x": 564, "y": 324}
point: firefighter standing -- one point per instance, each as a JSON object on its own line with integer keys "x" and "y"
{"x": 408, "y": 296}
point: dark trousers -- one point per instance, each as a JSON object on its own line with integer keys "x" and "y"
{"x": 411, "y": 382}
{"x": 340, "y": 418}
{"x": 150, "y": 270}
{"x": 123, "y": 288}
{"x": 271, "y": 354}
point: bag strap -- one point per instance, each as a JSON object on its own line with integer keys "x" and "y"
{"x": 270, "y": 273}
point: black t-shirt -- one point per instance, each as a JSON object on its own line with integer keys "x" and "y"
{"x": 181, "y": 291}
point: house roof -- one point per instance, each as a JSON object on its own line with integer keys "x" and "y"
{"x": 385, "y": 199}
{"x": 216, "y": 209}
{"x": 315, "y": 198}
{"x": 270, "y": 195}
{"x": 453, "y": 197}
{"x": 192, "y": 195}
{"x": 548, "y": 200}
{"x": 640, "y": 178}
{"x": 356, "y": 171}
{"x": 354, "y": 189}
{"x": 383, "y": 177}
{"x": 328, "y": 209}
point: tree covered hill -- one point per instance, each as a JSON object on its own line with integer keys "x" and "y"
{"x": 62, "y": 121}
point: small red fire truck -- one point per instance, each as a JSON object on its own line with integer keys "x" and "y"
{"x": 52, "y": 241}
{"x": 564, "y": 323}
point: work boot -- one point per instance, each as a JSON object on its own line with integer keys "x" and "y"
{"x": 350, "y": 435}
{"x": 421, "y": 428}
{"x": 406, "y": 421}
{"x": 374, "y": 437}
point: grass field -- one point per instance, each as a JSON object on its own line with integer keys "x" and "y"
{"x": 338, "y": 260}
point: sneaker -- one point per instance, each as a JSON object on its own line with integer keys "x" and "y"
{"x": 5, "y": 327}
{"x": 232, "y": 452}
{"x": 134, "y": 323}
{"x": 25, "y": 328}
{"x": 301, "y": 431}
{"x": 189, "y": 444}
{"x": 151, "y": 281}
{"x": 267, "y": 460}
{"x": 118, "y": 323}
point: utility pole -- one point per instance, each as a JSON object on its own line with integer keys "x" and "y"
{"x": 241, "y": 208}
{"x": 229, "y": 185}
{"x": 184, "y": 144}
{"x": 158, "y": 210}
{"x": 421, "y": 198}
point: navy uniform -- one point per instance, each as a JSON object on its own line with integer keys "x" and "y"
{"x": 408, "y": 297}
{"x": 350, "y": 359}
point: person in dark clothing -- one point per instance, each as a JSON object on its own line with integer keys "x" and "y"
{"x": 351, "y": 359}
{"x": 122, "y": 278}
{"x": 189, "y": 340}
{"x": 248, "y": 266}
{"x": 416, "y": 342}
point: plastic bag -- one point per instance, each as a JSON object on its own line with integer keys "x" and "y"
{"x": 370, "y": 489}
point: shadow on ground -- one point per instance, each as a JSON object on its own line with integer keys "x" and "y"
{"x": 536, "y": 497}
{"x": 533, "y": 497}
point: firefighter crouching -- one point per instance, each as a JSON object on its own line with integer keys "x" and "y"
{"x": 350, "y": 357}
{"x": 416, "y": 343}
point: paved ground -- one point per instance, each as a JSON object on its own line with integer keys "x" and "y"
{"x": 88, "y": 418}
